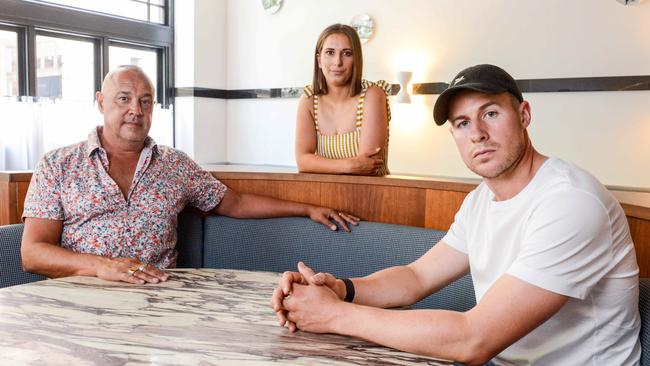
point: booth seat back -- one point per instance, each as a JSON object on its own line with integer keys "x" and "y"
{"x": 189, "y": 239}
{"x": 644, "y": 310}
{"x": 11, "y": 269}
{"x": 278, "y": 244}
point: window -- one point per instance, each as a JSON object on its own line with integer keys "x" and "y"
{"x": 54, "y": 55}
{"x": 64, "y": 27}
{"x": 147, "y": 59}
{"x": 147, "y": 10}
{"x": 8, "y": 63}
{"x": 72, "y": 76}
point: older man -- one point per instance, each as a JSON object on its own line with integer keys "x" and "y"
{"x": 548, "y": 247}
{"x": 108, "y": 206}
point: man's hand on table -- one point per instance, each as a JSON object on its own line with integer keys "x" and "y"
{"x": 325, "y": 216}
{"x": 129, "y": 270}
{"x": 301, "y": 298}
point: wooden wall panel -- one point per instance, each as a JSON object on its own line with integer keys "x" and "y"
{"x": 5, "y": 204}
{"x": 21, "y": 193}
{"x": 441, "y": 206}
{"x": 306, "y": 192}
{"x": 395, "y": 205}
{"x": 640, "y": 230}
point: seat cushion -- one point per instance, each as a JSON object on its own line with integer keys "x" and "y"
{"x": 11, "y": 269}
{"x": 644, "y": 310}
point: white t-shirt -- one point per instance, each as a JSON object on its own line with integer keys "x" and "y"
{"x": 564, "y": 232}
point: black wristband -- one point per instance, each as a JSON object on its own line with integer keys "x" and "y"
{"x": 349, "y": 290}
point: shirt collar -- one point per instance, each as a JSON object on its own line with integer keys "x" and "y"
{"x": 95, "y": 144}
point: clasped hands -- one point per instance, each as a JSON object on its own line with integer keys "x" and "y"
{"x": 129, "y": 270}
{"x": 307, "y": 300}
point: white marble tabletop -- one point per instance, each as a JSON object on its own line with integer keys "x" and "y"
{"x": 198, "y": 317}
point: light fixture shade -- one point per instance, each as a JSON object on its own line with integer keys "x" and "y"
{"x": 403, "y": 78}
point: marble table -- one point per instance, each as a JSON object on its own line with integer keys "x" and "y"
{"x": 198, "y": 317}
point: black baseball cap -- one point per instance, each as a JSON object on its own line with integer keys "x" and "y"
{"x": 483, "y": 78}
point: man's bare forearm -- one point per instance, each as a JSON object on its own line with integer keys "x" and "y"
{"x": 53, "y": 261}
{"x": 436, "y": 333}
{"x": 406, "y": 285}
{"x": 391, "y": 287}
{"x": 507, "y": 312}
{"x": 247, "y": 205}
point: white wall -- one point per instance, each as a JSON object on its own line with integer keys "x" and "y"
{"x": 607, "y": 133}
{"x": 200, "y": 42}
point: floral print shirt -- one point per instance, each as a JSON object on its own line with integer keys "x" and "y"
{"x": 72, "y": 184}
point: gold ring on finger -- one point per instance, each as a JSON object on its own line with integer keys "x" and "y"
{"x": 133, "y": 270}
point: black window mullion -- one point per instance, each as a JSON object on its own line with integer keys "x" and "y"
{"x": 101, "y": 57}
{"x": 30, "y": 55}
{"x": 169, "y": 14}
{"x": 21, "y": 49}
{"x": 168, "y": 74}
{"x": 105, "y": 56}
{"x": 162, "y": 87}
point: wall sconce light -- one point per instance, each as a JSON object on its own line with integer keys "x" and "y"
{"x": 403, "y": 78}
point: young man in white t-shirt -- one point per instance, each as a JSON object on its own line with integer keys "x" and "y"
{"x": 548, "y": 248}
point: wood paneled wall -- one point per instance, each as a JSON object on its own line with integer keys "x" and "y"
{"x": 421, "y": 203}
{"x": 13, "y": 189}
{"x": 413, "y": 201}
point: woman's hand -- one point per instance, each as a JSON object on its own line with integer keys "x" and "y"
{"x": 365, "y": 163}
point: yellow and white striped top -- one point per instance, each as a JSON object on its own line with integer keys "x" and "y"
{"x": 346, "y": 145}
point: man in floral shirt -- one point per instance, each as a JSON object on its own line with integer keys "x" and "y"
{"x": 108, "y": 206}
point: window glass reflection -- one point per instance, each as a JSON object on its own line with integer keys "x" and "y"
{"x": 8, "y": 63}
{"x": 65, "y": 68}
{"x": 145, "y": 59}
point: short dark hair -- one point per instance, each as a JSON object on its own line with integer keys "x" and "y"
{"x": 514, "y": 101}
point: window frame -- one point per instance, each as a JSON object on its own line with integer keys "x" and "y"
{"x": 160, "y": 61}
{"x": 72, "y": 37}
{"x": 148, "y": 3}
{"x": 22, "y": 65}
{"x": 30, "y": 18}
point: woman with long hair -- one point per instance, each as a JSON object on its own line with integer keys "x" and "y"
{"x": 342, "y": 122}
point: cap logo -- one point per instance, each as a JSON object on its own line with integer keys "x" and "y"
{"x": 458, "y": 80}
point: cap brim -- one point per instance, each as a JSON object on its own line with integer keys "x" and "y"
{"x": 441, "y": 108}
